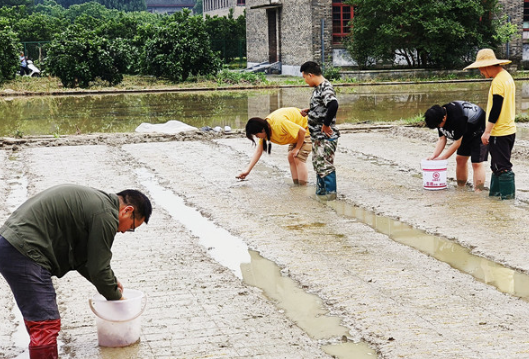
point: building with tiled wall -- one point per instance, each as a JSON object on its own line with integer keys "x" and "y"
{"x": 223, "y": 7}
{"x": 521, "y": 9}
{"x": 169, "y": 6}
{"x": 289, "y": 31}
{"x": 514, "y": 49}
{"x": 295, "y": 31}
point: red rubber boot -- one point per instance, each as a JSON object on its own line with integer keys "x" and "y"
{"x": 43, "y": 338}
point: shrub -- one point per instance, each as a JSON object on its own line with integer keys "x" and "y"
{"x": 331, "y": 72}
{"x": 78, "y": 56}
{"x": 9, "y": 54}
{"x": 228, "y": 35}
{"x": 180, "y": 48}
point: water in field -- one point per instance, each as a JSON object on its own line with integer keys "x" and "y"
{"x": 112, "y": 113}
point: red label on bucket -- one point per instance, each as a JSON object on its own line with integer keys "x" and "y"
{"x": 434, "y": 174}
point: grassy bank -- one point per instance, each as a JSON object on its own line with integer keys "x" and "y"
{"x": 226, "y": 79}
{"x": 418, "y": 121}
{"x": 50, "y": 84}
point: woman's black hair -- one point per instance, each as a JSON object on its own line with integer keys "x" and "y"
{"x": 256, "y": 125}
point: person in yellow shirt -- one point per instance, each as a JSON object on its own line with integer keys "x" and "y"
{"x": 500, "y": 131}
{"x": 285, "y": 126}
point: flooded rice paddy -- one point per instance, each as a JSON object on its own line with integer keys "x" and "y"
{"x": 306, "y": 310}
{"x": 389, "y": 270}
{"x": 64, "y": 115}
{"x": 506, "y": 280}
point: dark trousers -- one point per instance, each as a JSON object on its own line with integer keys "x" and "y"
{"x": 35, "y": 296}
{"x": 500, "y": 149}
{"x": 30, "y": 283}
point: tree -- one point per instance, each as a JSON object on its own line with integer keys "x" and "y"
{"x": 198, "y": 8}
{"x": 180, "y": 48}
{"x": 78, "y": 56}
{"x": 13, "y": 13}
{"x": 127, "y": 34}
{"x": 10, "y": 3}
{"x": 9, "y": 53}
{"x": 92, "y": 9}
{"x": 227, "y": 35}
{"x": 38, "y": 27}
{"x": 51, "y": 8}
{"x": 423, "y": 33}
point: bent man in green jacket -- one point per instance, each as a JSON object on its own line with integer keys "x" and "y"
{"x": 64, "y": 228}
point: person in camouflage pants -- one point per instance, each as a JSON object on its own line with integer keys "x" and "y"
{"x": 322, "y": 126}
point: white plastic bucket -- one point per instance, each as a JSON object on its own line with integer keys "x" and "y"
{"x": 118, "y": 321}
{"x": 434, "y": 174}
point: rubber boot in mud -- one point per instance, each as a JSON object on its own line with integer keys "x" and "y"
{"x": 44, "y": 352}
{"x": 507, "y": 188}
{"x": 43, "y": 338}
{"x": 330, "y": 186}
{"x": 494, "y": 190}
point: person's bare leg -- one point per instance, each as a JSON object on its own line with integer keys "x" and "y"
{"x": 293, "y": 168}
{"x": 303, "y": 175}
{"x": 479, "y": 176}
{"x": 461, "y": 170}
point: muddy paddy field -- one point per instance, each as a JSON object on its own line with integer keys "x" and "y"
{"x": 263, "y": 269}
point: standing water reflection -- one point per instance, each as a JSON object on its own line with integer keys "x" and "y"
{"x": 62, "y": 115}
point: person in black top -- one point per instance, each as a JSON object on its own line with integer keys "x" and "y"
{"x": 463, "y": 123}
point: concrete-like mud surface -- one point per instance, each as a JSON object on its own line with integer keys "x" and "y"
{"x": 396, "y": 298}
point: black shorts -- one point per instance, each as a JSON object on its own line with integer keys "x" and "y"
{"x": 473, "y": 147}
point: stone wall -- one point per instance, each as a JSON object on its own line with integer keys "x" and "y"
{"x": 296, "y": 32}
{"x": 256, "y": 32}
{"x": 299, "y": 31}
{"x": 514, "y": 9}
{"x": 322, "y": 10}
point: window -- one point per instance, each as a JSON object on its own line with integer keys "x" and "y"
{"x": 241, "y": 2}
{"x": 341, "y": 15}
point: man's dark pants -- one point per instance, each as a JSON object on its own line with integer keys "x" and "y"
{"x": 35, "y": 296}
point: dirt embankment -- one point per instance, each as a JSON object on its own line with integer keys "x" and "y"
{"x": 117, "y": 139}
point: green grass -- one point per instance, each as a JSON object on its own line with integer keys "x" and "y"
{"x": 223, "y": 79}
{"x": 136, "y": 82}
{"x": 523, "y": 118}
{"x": 416, "y": 121}
{"x": 291, "y": 81}
{"x": 237, "y": 77}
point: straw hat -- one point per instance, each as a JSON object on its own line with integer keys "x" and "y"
{"x": 486, "y": 57}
